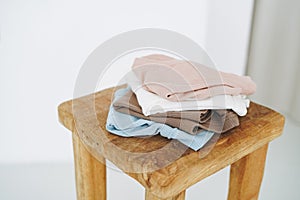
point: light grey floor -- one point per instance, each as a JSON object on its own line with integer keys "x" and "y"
{"x": 48, "y": 181}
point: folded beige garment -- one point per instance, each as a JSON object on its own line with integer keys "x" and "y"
{"x": 193, "y": 122}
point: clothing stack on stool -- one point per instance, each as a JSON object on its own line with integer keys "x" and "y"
{"x": 178, "y": 99}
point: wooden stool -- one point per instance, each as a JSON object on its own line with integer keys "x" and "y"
{"x": 166, "y": 168}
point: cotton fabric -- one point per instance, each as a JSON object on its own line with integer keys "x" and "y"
{"x": 152, "y": 104}
{"x": 193, "y": 122}
{"x": 130, "y": 126}
{"x": 179, "y": 80}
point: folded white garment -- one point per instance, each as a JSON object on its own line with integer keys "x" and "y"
{"x": 152, "y": 103}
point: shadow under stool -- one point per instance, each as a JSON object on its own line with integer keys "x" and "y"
{"x": 166, "y": 168}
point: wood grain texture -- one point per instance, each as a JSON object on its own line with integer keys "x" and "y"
{"x": 246, "y": 175}
{"x": 90, "y": 173}
{"x": 166, "y": 167}
{"x": 150, "y": 196}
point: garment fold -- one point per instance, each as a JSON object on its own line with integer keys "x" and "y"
{"x": 178, "y": 80}
{"x": 193, "y": 121}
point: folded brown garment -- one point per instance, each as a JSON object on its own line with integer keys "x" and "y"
{"x": 193, "y": 122}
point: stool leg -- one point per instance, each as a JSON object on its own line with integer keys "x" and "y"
{"x": 90, "y": 173}
{"x": 246, "y": 175}
{"x": 150, "y": 196}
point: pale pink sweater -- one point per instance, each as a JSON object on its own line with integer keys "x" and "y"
{"x": 179, "y": 80}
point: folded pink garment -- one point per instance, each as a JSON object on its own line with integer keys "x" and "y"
{"x": 180, "y": 80}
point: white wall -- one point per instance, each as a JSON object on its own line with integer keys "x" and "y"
{"x": 44, "y": 43}
{"x": 227, "y": 33}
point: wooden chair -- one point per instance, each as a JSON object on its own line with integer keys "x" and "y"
{"x": 166, "y": 168}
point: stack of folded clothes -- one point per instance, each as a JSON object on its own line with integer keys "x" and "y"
{"x": 178, "y": 99}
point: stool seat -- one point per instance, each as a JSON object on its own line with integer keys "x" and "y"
{"x": 166, "y": 168}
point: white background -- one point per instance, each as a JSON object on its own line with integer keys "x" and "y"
{"x": 44, "y": 43}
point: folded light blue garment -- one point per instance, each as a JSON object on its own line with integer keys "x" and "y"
{"x": 130, "y": 126}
